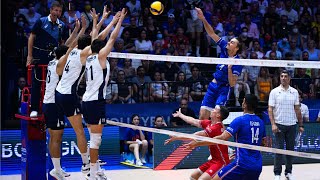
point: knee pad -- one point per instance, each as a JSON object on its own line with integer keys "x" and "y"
{"x": 95, "y": 140}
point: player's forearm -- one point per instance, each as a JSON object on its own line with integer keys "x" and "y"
{"x": 189, "y": 120}
{"x": 106, "y": 31}
{"x": 298, "y": 114}
{"x": 232, "y": 78}
{"x": 72, "y": 36}
{"x": 210, "y": 30}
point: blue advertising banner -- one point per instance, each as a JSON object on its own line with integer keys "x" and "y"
{"x": 11, "y": 148}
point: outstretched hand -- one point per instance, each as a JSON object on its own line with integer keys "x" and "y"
{"x": 123, "y": 13}
{"x": 94, "y": 14}
{"x": 83, "y": 22}
{"x": 177, "y": 113}
{"x": 105, "y": 13}
{"x": 116, "y": 17}
{"x": 171, "y": 139}
{"x": 77, "y": 24}
{"x": 200, "y": 13}
{"x": 191, "y": 145}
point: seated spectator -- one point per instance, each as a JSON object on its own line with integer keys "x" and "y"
{"x": 264, "y": 84}
{"x": 296, "y": 36}
{"x": 112, "y": 92}
{"x": 197, "y": 84}
{"x": 159, "y": 90}
{"x": 133, "y": 29}
{"x": 128, "y": 42}
{"x": 180, "y": 89}
{"x": 170, "y": 26}
{"x": 241, "y": 85}
{"x": 141, "y": 85}
{"x": 151, "y": 28}
{"x": 158, "y": 49}
{"x": 253, "y": 31}
{"x": 176, "y": 121}
{"x": 129, "y": 71}
{"x": 233, "y": 25}
{"x": 119, "y": 47}
{"x": 125, "y": 89}
{"x": 304, "y": 109}
{"x": 169, "y": 71}
{"x": 180, "y": 38}
{"x": 296, "y": 52}
{"x": 257, "y": 49}
{"x": 303, "y": 83}
{"x": 70, "y": 16}
{"x": 274, "y": 48}
{"x": 114, "y": 69}
{"x": 314, "y": 54}
{"x": 143, "y": 44}
{"x": 282, "y": 28}
{"x": 159, "y": 122}
{"x": 136, "y": 142}
{"x": 149, "y": 67}
{"x": 30, "y": 14}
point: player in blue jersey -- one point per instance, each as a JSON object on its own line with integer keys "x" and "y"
{"x": 246, "y": 129}
{"x": 225, "y": 76}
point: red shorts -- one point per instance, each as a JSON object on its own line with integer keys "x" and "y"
{"x": 211, "y": 167}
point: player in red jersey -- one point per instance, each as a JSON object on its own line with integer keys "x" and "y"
{"x": 212, "y": 128}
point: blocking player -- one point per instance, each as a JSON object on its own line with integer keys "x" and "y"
{"x": 97, "y": 76}
{"x": 54, "y": 118}
{"x": 247, "y": 129}
{"x": 212, "y": 128}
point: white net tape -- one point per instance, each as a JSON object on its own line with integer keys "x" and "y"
{"x": 217, "y": 141}
{"x": 208, "y": 60}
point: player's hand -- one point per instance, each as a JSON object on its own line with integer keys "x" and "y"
{"x": 116, "y": 18}
{"x": 94, "y": 14}
{"x": 230, "y": 66}
{"x": 83, "y": 22}
{"x": 200, "y": 14}
{"x": 275, "y": 128}
{"x": 177, "y": 113}
{"x": 105, "y": 13}
{"x": 123, "y": 13}
{"x": 190, "y": 145}
{"x": 77, "y": 26}
{"x": 301, "y": 129}
{"x": 167, "y": 141}
{"x": 29, "y": 60}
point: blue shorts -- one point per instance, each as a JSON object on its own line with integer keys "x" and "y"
{"x": 216, "y": 95}
{"x": 94, "y": 112}
{"x": 68, "y": 104}
{"x": 236, "y": 172}
{"x": 54, "y": 118}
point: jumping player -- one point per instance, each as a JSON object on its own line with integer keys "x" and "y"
{"x": 225, "y": 76}
{"x": 97, "y": 76}
{"x": 247, "y": 129}
{"x": 212, "y": 128}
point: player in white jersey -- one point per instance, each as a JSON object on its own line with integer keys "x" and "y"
{"x": 93, "y": 101}
{"x": 54, "y": 118}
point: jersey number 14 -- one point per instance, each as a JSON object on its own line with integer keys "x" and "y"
{"x": 255, "y": 135}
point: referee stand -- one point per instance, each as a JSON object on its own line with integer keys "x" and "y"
{"x": 33, "y": 132}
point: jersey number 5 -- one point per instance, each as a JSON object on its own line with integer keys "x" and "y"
{"x": 255, "y": 135}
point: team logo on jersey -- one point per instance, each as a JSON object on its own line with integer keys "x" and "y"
{"x": 89, "y": 59}
{"x": 73, "y": 53}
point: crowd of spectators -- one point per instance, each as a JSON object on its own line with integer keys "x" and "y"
{"x": 270, "y": 29}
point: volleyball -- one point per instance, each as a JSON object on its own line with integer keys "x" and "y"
{"x": 156, "y": 8}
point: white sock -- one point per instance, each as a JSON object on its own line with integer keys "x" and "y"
{"x": 85, "y": 158}
{"x": 93, "y": 169}
{"x": 56, "y": 164}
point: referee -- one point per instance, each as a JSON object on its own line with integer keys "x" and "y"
{"x": 284, "y": 111}
{"x": 47, "y": 33}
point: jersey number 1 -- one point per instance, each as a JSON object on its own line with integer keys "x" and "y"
{"x": 255, "y": 135}
{"x": 91, "y": 73}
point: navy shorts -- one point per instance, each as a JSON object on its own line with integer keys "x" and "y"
{"x": 54, "y": 118}
{"x": 236, "y": 172}
{"x": 68, "y": 104}
{"x": 215, "y": 95}
{"x": 94, "y": 112}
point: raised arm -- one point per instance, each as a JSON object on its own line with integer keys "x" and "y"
{"x": 103, "y": 53}
{"x": 106, "y": 30}
{"x": 224, "y": 136}
{"x": 187, "y": 119}
{"x": 175, "y": 138}
{"x": 207, "y": 26}
{"x": 73, "y": 34}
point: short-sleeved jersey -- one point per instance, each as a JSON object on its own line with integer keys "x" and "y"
{"x": 96, "y": 79}
{"x": 48, "y": 33}
{"x": 248, "y": 129}
{"x": 51, "y": 82}
{"x": 218, "y": 152}
{"x": 221, "y": 74}
{"x": 72, "y": 73}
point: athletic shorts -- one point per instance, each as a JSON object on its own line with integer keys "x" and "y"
{"x": 211, "y": 167}
{"x": 235, "y": 172}
{"x": 94, "y": 112}
{"x": 54, "y": 118}
{"x": 216, "y": 95}
{"x": 68, "y": 104}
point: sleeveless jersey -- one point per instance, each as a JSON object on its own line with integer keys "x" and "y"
{"x": 72, "y": 73}
{"x": 51, "y": 82}
{"x": 96, "y": 79}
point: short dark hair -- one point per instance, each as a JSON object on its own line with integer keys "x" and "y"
{"x": 251, "y": 101}
{"x": 239, "y": 45}
{"x": 55, "y": 4}
{"x": 60, "y": 51}
{"x": 97, "y": 45}
{"x": 224, "y": 112}
{"x": 84, "y": 41}
{"x": 284, "y": 71}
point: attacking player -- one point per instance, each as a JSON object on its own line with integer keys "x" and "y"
{"x": 212, "y": 128}
{"x": 246, "y": 129}
{"x": 225, "y": 76}
{"x": 97, "y": 76}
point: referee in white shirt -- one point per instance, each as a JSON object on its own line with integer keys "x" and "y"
{"x": 284, "y": 111}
